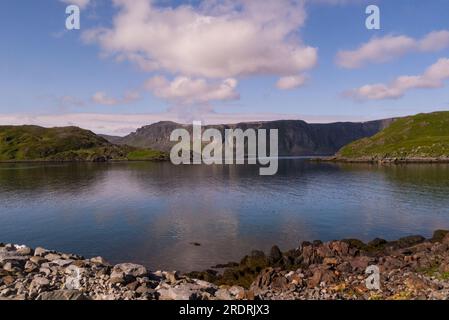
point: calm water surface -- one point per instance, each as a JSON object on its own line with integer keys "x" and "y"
{"x": 150, "y": 213}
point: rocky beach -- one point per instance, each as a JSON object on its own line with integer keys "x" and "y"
{"x": 409, "y": 268}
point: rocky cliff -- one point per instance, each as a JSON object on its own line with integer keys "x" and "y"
{"x": 296, "y": 137}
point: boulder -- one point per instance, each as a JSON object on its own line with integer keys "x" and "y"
{"x": 131, "y": 269}
{"x": 99, "y": 261}
{"x": 340, "y": 248}
{"x": 172, "y": 277}
{"x": 62, "y": 295}
{"x": 407, "y": 242}
{"x": 31, "y": 267}
{"x": 377, "y": 243}
{"x": 223, "y": 294}
{"x": 23, "y": 250}
{"x": 321, "y": 274}
{"x": 61, "y": 262}
{"x": 445, "y": 239}
{"x": 39, "y": 283}
{"x": 118, "y": 277}
{"x": 38, "y": 260}
{"x": 359, "y": 264}
{"x": 330, "y": 261}
{"x": 439, "y": 235}
{"x": 52, "y": 256}
{"x": 8, "y": 280}
{"x": 238, "y": 292}
{"x": 40, "y": 252}
{"x": 275, "y": 255}
{"x": 180, "y": 293}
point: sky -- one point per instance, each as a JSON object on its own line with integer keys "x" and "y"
{"x": 136, "y": 62}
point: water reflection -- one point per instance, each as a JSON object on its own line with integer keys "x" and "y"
{"x": 150, "y": 213}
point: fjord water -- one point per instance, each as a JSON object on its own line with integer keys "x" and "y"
{"x": 152, "y": 213}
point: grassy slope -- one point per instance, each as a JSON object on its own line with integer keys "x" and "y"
{"x": 420, "y": 136}
{"x": 146, "y": 154}
{"x": 33, "y": 143}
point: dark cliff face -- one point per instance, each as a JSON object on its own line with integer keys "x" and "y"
{"x": 296, "y": 137}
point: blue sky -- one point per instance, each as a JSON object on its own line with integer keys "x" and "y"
{"x": 51, "y": 76}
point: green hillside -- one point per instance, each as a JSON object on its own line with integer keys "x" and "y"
{"x": 414, "y": 137}
{"x": 33, "y": 143}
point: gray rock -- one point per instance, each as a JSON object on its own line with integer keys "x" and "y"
{"x": 223, "y": 294}
{"x": 62, "y": 263}
{"x": 7, "y": 255}
{"x": 171, "y": 277}
{"x": 117, "y": 277}
{"x": 38, "y": 260}
{"x": 181, "y": 293}
{"x": 8, "y": 267}
{"x": 99, "y": 260}
{"x": 131, "y": 269}
{"x": 143, "y": 289}
{"x": 237, "y": 291}
{"x": 41, "y": 252}
{"x": 275, "y": 255}
{"x": 39, "y": 283}
{"x": 30, "y": 266}
{"x": 23, "y": 250}
{"x": 45, "y": 271}
{"x": 52, "y": 256}
{"x": 63, "y": 295}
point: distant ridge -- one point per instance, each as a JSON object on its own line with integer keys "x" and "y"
{"x": 296, "y": 137}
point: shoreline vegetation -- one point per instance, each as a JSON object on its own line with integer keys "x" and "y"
{"x": 375, "y": 160}
{"x": 423, "y": 138}
{"x": 66, "y": 144}
{"x": 409, "y": 268}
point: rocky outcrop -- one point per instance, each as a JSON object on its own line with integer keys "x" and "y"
{"x": 409, "y": 268}
{"x": 296, "y": 137}
{"x": 40, "y": 274}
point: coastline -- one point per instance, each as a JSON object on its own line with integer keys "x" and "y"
{"x": 409, "y": 268}
{"x": 82, "y": 161}
{"x": 374, "y": 160}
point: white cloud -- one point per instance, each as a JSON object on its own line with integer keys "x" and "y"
{"x": 291, "y": 82}
{"x": 433, "y": 77}
{"x": 185, "y": 90}
{"x": 380, "y": 50}
{"x": 338, "y": 2}
{"x": 218, "y": 39}
{"x": 102, "y": 98}
{"x": 80, "y": 3}
{"x": 434, "y": 41}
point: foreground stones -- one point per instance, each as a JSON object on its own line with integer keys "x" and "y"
{"x": 410, "y": 268}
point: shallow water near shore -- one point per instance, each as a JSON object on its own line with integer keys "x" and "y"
{"x": 155, "y": 213}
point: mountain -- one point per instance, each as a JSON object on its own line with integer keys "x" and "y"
{"x": 111, "y": 139}
{"x": 296, "y": 137}
{"x": 33, "y": 143}
{"x": 419, "y": 137}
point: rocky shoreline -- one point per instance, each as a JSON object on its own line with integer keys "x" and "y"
{"x": 395, "y": 160}
{"x": 409, "y": 268}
